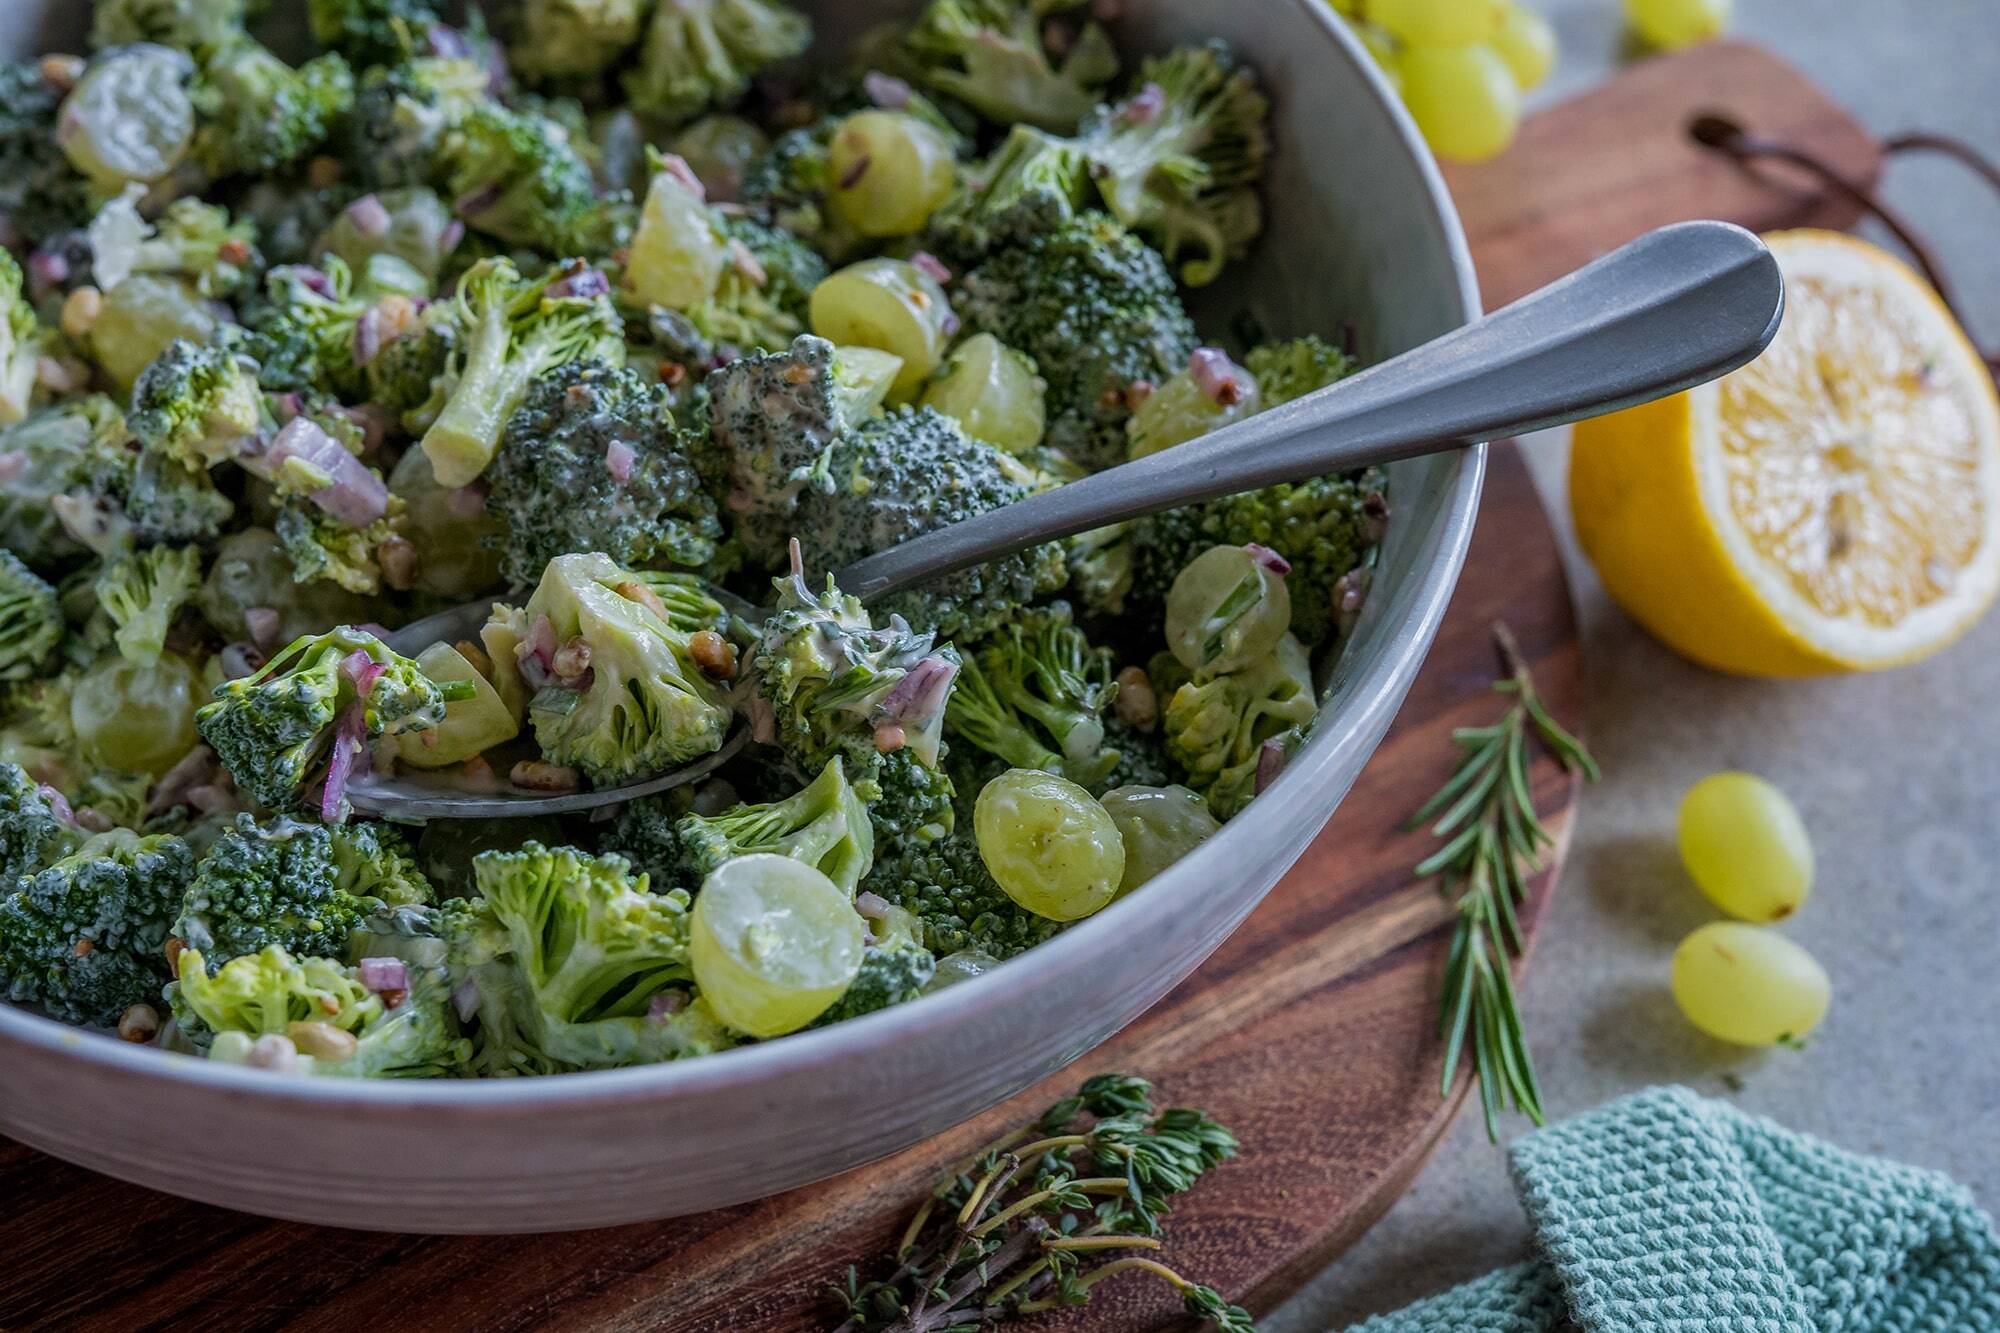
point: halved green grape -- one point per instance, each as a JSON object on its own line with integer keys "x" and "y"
{"x": 1438, "y": 22}
{"x": 1527, "y": 42}
{"x": 1049, "y": 845}
{"x": 1749, "y": 984}
{"x": 1227, "y": 609}
{"x": 137, "y": 716}
{"x": 889, "y": 171}
{"x": 139, "y": 317}
{"x": 1463, "y": 98}
{"x": 129, "y": 117}
{"x": 961, "y": 966}
{"x": 891, "y": 304}
{"x": 1669, "y": 24}
{"x": 455, "y": 535}
{"x": 773, "y": 942}
{"x": 678, "y": 252}
{"x": 1158, "y": 825}
{"x": 251, "y": 576}
{"x": 993, "y": 392}
{"x": 1746, "y": 847}
{"x": 719, "y": 149}
{"x": 1210, "y": 394}
{"x": 470, "y": 726}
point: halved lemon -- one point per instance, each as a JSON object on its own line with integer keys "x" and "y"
{"x": 1833, "y": 506}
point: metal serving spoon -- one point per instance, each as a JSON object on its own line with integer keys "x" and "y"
{"x": 1678, "y": 307}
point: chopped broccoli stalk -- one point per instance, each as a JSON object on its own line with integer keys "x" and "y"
{"x": 616, "y": 691}
{"x": 1097, "y": 309}
{"x": 22, "y": 341}
{"x": 36, "y": 826}
{"x": 577, "y": 964}
{"x": 1035, "y": 698}
{"x": 592, "y": 461}
{"x": 895, "y": 968}
{"x": 1217, "y": 730}
{"x": 84, "y": 936}
{"x": 259, "y": 115}
{"x": 143, "y": 593}
{"x": 300, "y": 886}
{"x": 512, "y": 330}
{"x": 700, "y": 54}
{"x": 311, "y": 708}
{"x": 372, "y": 32}
{"x": 824, "y": 825}
{"x": 31, "y": 622}
{"x": 198, "y": 27}
{"x": 1289, "y": 370}
{"x": 995, "y": 56}
{"x": 196, "y": 404}
{"x": 570, "y": 39}
{"x": 41, "y": 193}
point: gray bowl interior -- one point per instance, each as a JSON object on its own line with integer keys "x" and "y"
{"x": 1359, "y": 229}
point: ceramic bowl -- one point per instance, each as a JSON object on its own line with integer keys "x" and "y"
{"x": 1360, "y": 230}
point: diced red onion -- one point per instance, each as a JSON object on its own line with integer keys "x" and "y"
{"x": 949, "y": 325}
{"x": 919, "y": 696}
{"x": 356, "y": 496}
{"x": 380, "y": 974}
{"x": 665, "y": 1005}
{"x": 263, "y": 624}
{"x": 370, "y": 627}
{"x": 746, "y": 263}
{"x": 676, "y": 166}
{"x": 1144, "y": 105}
{"x": 47, "y": 269}
{"x": 341, "y": 768}
{"x": 582, "y": 281}
{"x": 367, "y": 336}
{"x": 368, "y": 215}
{"x": 466, "y": 501}
{"x": 58, "y": 803}
{"x": 872, "y": 905}
{"x": 312, "y": 279}
{"x": 1269, "y": 559}
{"x": 1107, "y": 11}
{"x": 928, "y": 264}
{"x": 1216, "y": 375}
{"x": 859, "y": 168}
{"x": 763, "y": 722}
{"x": 465, "y": 1000}
{"x": 618, "y": 459}
{"x": 362, "y": 670}
{"x": 12, "y": 464}
{"x": 474, "y": 202}
{"x": 244, "y": 659}
{"x": 453, "y": 233}
{"x": 1270, "y": 762}
{"x": 885, "y": 90}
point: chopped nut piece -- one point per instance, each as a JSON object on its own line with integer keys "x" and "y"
{"x": 80, "y": 310}
{"x": 397, "y": 555}
{"x": 714, "y": 654}
{"x": 61, "y": 72}
{"x": 322, "y": 1041}
{"x": 173, "y": 951}
{"x": 1136, "y": 703}
{"x": 272, "y": 1051}
{"x": 475, "y": 657}
{"x": 634, "y": 591}
{"x": 139, "y": 1024}
{"x": 540, "y": 775}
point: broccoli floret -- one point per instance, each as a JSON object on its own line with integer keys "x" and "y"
{"x": 170, "y": 502}
{"x": 313, "y": 706}
{"x": 519, "y": 177}
{"x": 63, "y": 471}
{"x": 943, "y": 882}
{"x": 700, "y": 54}
{"x": 84, "y": 936}
{"x": 22, "y": 341}
{"x": 1035, "y": 697}
{"x": 1289, "y": 370}
{"x": 647, "y": 832}
{"x": 1033, "y": 183}
{"x": 1004, "y": 58}
{"x": 402, "y": 117}
{"x": 615, "y": 690}
{"x": 194, "y": 241}
{"x": 895, "y": 968}
{"x": 1217, "y": 729}
{"x": 835, "y": 684}
{"x": 787, "y": 185}
{"x": 592, "y": 461}
{"x": 321, "y": 547}
{"x": 290, "y": 215}
{"x": 298, "y": 885}
{"x": 259, "y": 115}
{"x": 509, "y": 331}
{"x": 824, "y": 825}
{"x": 36, "y": 826}
{"x": 372, "y": 32}
{"x": 1178, "y": 161}
{"x": 1142, "y": 758}
{"x": 1098, "y": 311}
{"x": 197, "y": 27}
{"x": 142, "y": 594}
{"x": 304, "y": 328}
{"x": 196, "y": 404}
{"x": 569, "y": 39}
{"x": 583, "y": 962}
{"x": 760, "y": 303}
{"x": 41, "y": 194}
{"x": 31, "y": 622}
{"x": 1324, "y": 527}
{"x": 910, "y": 471}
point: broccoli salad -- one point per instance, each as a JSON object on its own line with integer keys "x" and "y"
{"x": 597, "y": 311}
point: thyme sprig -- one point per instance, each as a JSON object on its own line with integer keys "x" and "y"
{"x": 1493, "y": 843}
{"x": 1034, "y": 1221}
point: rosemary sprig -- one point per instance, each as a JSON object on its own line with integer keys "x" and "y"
{"x": 1493, "y": 842}
{"x": 1034, "y": 1221}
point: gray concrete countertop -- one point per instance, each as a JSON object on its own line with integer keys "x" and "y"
{"x": 1897, "y": 776}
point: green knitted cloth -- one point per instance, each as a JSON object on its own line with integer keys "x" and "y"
{"x": 1664, "y": 1212}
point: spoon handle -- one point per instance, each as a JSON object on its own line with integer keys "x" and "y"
{"x": 1673, "y": 309}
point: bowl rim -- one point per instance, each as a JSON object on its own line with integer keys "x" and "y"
{"x": 1374, "y": 695}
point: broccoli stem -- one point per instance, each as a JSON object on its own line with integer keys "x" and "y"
{"x": 492, "y": 384}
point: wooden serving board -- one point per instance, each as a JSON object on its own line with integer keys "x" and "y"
{"x": 1310, "y": 1032}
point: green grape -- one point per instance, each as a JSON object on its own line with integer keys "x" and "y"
{"x": 456, "y": 536}
{"x": 1749, "y": 985}
{"x": 993, "y": 392}
{"x": 1158, "y": 825}
{"x": 139, "y": 317}
{"x": 961, "y": 966}
{"x": 678, "y": 252}
{"x": 891, "y": 304}
{"x": 251, "y": 574}
{"x": 1463, "y": 98}
{"x": 773, "y": 942}
{"x": 1438, "y": 22}
{"x": 129, "y": 117}
{"x": 1182, "y": 408}
{"x": 889, "y": 172}
{"x": 719, "y": 149}
{"x": 137, "y": 716}
{"x": 1226, "y": 610}
{"x": 1049, "y": 845}
{"x": 1527, "y": 42}
{"x": 1670, "y": 24}
{"x": 1745, "y": 845}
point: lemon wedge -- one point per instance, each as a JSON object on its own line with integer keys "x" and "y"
{"x": 1832, "y": 506}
